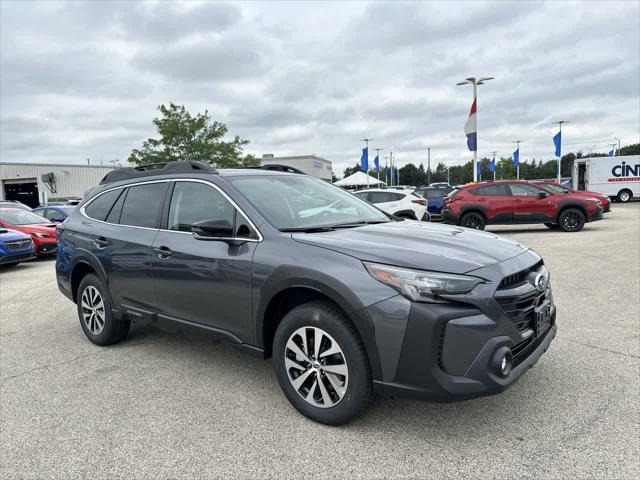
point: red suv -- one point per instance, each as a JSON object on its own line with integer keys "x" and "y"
{"x": 509, "y": 202}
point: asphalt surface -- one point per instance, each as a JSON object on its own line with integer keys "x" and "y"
{"x": 176, "y": 405}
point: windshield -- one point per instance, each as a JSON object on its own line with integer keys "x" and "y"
{"x": 302, "y": 202}
{"x": 552, "y": 187}
{"x": 21, "y": 217}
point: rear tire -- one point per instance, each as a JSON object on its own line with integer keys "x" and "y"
{"x": 624, "y": 196}
{"x": 473, "y": 220}
{"x": 94, "y": 313}
{"x": 571, "y": 220}
{"x": 552, "y": 226}
{"x": 325, "y": 396}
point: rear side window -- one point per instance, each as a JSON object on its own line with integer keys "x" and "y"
{"x": 379, "y": 197}
{"x": 396, "y": 197}
{"x": 500, "y": 189}
{"x": 142, "y": 205}
{"x": 99, "y": 208}
{"x": 114, "y": 213}
{"x": 363, "y": 196}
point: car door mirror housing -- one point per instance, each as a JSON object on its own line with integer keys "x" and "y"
{"x": 213, "y": 229}
{"x": 542, "y": 195}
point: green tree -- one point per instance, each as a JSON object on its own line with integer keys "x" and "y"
{"x": 187, "y": 137}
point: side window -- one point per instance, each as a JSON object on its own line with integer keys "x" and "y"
{"x": 193, "y": 202}
{"x": 114, "y": 213}
{"x": 363, "y": 196}
{"x": 436, "y": 193}
{"x": 396, "y": 197}
{"x": 142, "y": 205}
{"x": 49, "y": 213}
{"x": 379, "y": 197}
{"x": 523, "y": 190}
{"x": 99, "y": 208}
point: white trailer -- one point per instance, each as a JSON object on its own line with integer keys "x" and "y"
{"x": 617, "y": 177}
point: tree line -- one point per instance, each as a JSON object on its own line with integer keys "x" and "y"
{"x": 410, "y": 174}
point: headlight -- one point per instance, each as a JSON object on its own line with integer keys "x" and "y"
{"x": 595, "y": 200}
{"x": 420, "y": 285}
{"x": 39, "y": 235}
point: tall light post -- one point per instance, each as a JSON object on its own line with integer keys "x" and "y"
{"x": 613, "y": 148}
{"x": 366, "y": 141}
{"x": 591, "y": 150}
{"x": 428, "y": 166}
{"x": 471, "y": 128}
{"x": 517, "y": 161}
{"x": 391, "y": 165}
{"x": 494, "y": 166}
{"x": 615, "y": 138}
{"x": 559, "y": 150}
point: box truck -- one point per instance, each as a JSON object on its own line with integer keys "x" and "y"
{"x": 617, "y": 177}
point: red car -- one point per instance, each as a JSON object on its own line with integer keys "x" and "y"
{"x": 42, "y": 231}
{"x": 514, "y": 202}
{"x": 555, "y": 187}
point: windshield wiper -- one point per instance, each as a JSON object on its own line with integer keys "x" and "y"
{"x": 329, "y": 228}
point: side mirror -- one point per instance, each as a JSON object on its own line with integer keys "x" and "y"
{"x": 57, "y": 219}
{"x": 542, "y": 195}
{"x": 212, "y": 230}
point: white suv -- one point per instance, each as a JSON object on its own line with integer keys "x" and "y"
{"x": 402, "y": 203}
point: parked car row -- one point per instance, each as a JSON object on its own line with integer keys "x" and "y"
{"x": 41, "y": 231}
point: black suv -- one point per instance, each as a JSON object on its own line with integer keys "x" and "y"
{"x": 346, "y": 300}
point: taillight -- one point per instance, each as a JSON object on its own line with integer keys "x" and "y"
{"x": 420, "y": 201}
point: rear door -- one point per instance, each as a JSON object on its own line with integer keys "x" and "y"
{"x": 120, "y": 229}
{"x": 528, "y": 206}
{"x": 204, "y": 281}
{"x": 495, "y": 201}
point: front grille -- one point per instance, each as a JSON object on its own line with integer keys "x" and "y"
{"x": 521, "y": 309}
{"x": 17, "y": 244}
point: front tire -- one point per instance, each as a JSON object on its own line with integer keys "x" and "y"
{"x": 321, "y": 364}
{"x": 473, "y": 220}
{"x": 624, "y": 196}
{"x": 571, "y": 220}
{"x": 94, "y": 312}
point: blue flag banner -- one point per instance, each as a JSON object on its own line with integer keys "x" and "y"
{"x": 376, "y": 162}
{"x": 398, "y": 176}
{"x": 479, "y": 168}
{"x": 516, "y": 158}
{"x": 391, "y": 177}
{"x": 557, "y": 141}
{"x": 611, "y": 153}
{"x": 492, "y": 165}
{"x": 364, "y": 160}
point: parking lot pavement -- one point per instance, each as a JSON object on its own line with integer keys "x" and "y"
{"x": 176, "y": 405}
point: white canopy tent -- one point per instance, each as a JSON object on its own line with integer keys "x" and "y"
{"x": 359, "y": 179}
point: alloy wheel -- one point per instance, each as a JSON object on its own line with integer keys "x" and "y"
{"x": 316, "y": 367}
{"x": 571, "y": 220}
{"x": 472, "y": 221}
{"x": 93, "y": 314}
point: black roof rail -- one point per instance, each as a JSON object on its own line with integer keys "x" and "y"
{"x": 128, "y": 173}
{"x": 281, "y": 168}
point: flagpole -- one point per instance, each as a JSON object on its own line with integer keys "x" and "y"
{"x": 517, "y": 142}
{"x": 378, "y": 167}
{"x": 494, "y": 166}
{"x": 366, "y": 141}
{"x": 391, "y": 162}
{"x": 560, "y": 149}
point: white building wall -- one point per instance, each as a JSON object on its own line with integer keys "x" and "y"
{"x": 71, "y": 180}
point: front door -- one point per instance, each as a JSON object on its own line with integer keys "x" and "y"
{"x": 529, "y": 206}
{"x": 204, "y": 281}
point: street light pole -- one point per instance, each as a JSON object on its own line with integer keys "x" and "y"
{"x": 378, "y": 150}
{"x": 494, "y": 166}
{"x": 615, "y": 138}
{"x": 560, "y": 157}
{"x": 475, "y": 82}
{"x": 428, "y": 166}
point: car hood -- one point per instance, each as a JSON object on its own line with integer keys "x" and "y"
{"x": 421, "y": 245}
{"x": 7, "y": 235}
{"x": 49, "y": 228}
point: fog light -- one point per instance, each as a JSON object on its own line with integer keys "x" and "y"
{"x": 503, "y": 361}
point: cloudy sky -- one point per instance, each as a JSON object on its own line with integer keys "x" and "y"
{"x": 83, "y": 79}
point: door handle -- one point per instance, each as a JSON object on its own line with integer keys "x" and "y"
{"x": 163, "y": 252}
{"x": 517, "y": 201}
{"x": 101, "y": 242}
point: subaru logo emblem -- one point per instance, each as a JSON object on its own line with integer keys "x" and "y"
{"x": 540, "y": 282}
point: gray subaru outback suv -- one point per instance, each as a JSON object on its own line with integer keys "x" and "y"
{"x": 346, "y": 300}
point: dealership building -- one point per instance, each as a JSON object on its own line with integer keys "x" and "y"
{"x": 36, "y": 183}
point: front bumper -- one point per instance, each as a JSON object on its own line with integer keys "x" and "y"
{"x": 447, "y": 352}
{"x": 48, "y": 248}
{"x": 597, "y": 215}
{"x": 14, "y": 257}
